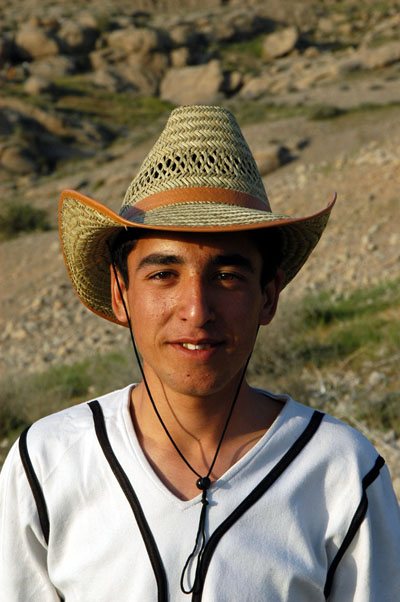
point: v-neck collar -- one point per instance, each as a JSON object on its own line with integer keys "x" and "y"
{"x": 232, "y": 472}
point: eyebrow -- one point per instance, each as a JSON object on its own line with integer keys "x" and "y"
{"x": 160, "y": 259}
{"x": 234, "y": 259}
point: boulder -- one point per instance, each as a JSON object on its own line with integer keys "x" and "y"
{"x": 143, "y": 81}
{"x": 183, "y": 34}
{"x": 135, "y": 40}
{"x": 382, "y": 56}
{"x": 233, "y": 82}
{"x": 75, "y": 38}
{"x": 321, "y": 73}
{"x": 280, "y": 42}
{"x": 53, "y": 67}
{"x": 271, "y": 158}
{"x": 35, "y": 42}
{"x": 200, "y": 84}
{"x": 18, "y": 160}
{"x": 109, "y": 79}
{"x": 104, "y": 58}
{"x": 255, "y": 87}
{"x": 180, "y": 57}
{"x": 36, "y": 85}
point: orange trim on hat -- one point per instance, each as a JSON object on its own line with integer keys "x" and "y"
{"x": 204, "y": 194}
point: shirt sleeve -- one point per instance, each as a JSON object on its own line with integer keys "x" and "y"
{"x": 23, "y": 550}
{"x": 370, "y": 568}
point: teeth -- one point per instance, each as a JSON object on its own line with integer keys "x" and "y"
{"x": 195, "y": 347}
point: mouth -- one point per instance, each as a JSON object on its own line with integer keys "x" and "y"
{"x": 196, "y": 347}
{"x": 201, "y": 349}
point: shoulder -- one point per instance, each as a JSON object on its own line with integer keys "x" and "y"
{"x": 69, "y": 433}
{"x": 335, "y": 445}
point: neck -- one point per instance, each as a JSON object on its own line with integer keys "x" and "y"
{"x": 196, "y": 426}
{"x": 188, "y": 418}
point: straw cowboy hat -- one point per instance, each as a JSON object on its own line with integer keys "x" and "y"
{"x": 200, "y": 176}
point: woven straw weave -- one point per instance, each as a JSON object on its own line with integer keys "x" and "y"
{"x": 205, "y": 148}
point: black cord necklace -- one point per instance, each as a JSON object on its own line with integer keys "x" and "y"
{"x": 203, "y": 482}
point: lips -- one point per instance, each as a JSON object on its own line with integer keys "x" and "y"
{"x": 201, "y": 348}
{"x": 194, "y": 347}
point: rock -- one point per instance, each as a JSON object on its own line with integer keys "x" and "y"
{"x": 382, "y": 56}
{"x": 104, "y": 58}
{"x": 280, "y": 42}
{"x": 135, "y": 40}
{"x": 233, "y": 82}
{"x": 109, "y": 79}
{"x": 326, "y": 25}
{"x": 376, "y": 378}
{"x": 319, "y": 74}
{"x": 183, "y": 34}
{"x": 144, "y": 72}
{"x": 36, "y": 85}
{"x": 180, "y": 57}
{"x": 255, "y": 87}
{"x": 53, "y": 67}
{"x": 271, "y": 158}
{"x": 18, "y": 160}
{"x": 190, "y": 85}
{"x": 75, "y": 38}
{"x": 35, "y": 42}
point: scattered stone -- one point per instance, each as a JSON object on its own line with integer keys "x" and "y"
{"x": 180, "y": 57}
{"x": 377, "y": 58}
{"x": 53, "y": 67}
{"x": 280, "y": 43}
{"x": 201, "y": 84}
{"x": 255, "y": 87}
{"x": 271, "y": 158}
{"x": 18, "y": 160}
{"x": 137, "y": 40}
{"x": 36, "y": 85}
{"x": 109, "y": 79}
{"x": 76, "y": 38}
{"x": 34, "y": 42}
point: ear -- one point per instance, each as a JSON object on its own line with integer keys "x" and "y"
{"x": 271, "y": 295}
{"x": 116, "y": 300}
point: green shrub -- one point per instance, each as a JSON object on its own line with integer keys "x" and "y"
{"x": 21, "y": 217}
{"x": 325, "y": 112}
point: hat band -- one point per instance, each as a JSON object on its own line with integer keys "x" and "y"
{"x": 199, "y": 194}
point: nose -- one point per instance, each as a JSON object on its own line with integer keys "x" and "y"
{"x": 195, "y": 303}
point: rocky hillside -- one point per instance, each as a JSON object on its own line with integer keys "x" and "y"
{"x": 86, "y": 87}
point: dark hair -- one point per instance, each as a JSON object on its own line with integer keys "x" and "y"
{"x": 268, "y": 243}
{"x": 120, "y": 248}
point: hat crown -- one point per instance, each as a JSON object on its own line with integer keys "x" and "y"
{"x": 200, "y": 146}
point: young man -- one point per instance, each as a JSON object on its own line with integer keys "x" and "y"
{"x": 192, "y": 485}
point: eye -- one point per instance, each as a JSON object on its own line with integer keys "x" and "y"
{"x": 164, "y": 275}
{"x": 229, "y": 276}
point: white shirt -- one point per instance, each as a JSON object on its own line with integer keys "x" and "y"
{"x": 279, "y": 550}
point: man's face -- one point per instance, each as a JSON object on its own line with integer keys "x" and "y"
{"x": 195, "y": 303}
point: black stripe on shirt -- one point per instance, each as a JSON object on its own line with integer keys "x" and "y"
{"x": 130, "y": 494}
{"x": 354, "y": 525}
{"x": 253, "y": 497}
{"x": 34, "y": 485}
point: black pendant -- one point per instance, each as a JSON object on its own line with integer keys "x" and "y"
{"x": 203, "y": 483}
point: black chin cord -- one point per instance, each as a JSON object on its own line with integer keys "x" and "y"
{"x": 202, "y": 483}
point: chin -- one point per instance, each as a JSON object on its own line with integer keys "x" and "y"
{"x": 204, "y": 387}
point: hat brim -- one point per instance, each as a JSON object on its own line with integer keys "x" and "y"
{"x": 87, "y": 227}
